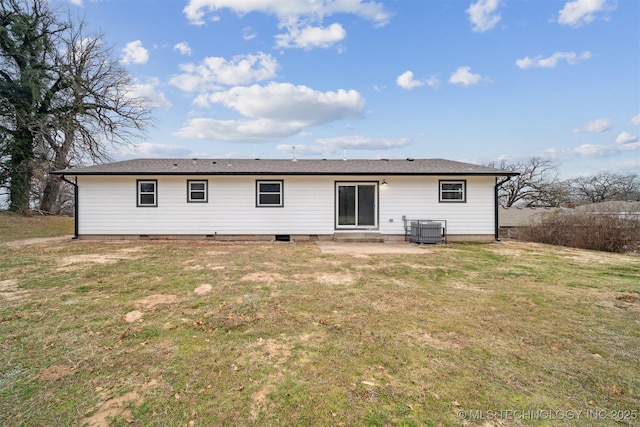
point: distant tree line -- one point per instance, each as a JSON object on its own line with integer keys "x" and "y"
{"x": 64, "y": 100}
{"x": 538, "y": 185}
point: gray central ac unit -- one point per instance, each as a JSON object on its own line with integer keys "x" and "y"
{"x": 426, "y": 232}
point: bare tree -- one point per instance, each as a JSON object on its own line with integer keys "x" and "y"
{"x": 91, "y": 108}
{"x": 604, "y": 187}
{"x": 537, "y": 184}
{"x": 63, "y": 100}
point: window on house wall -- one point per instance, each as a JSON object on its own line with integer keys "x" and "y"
{"x": 197, "y": 191}
{"x": 147, "y": 193}
{"x": 269, "y": 194}
{"x": 453, "y": 191}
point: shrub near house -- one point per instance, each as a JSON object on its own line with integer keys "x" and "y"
{"x": 610, "y": 227}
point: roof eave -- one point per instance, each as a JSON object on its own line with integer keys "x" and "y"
{"x": 70, "y": 172}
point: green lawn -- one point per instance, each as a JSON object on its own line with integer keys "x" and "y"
{"x": 112, "y": 333}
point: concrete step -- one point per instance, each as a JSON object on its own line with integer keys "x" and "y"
{"x": 358, "y": 237}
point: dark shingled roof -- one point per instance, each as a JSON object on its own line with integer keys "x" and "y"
{"x": 285, "y": 167}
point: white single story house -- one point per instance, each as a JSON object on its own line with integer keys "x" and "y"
{"x": 251, "y": 199}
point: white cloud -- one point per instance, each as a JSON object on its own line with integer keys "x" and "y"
{"x": 596, "y": 126}
{"x": 134, "y": 53}
{"x": 273, "y": 112}
{"x": 77, "y": 2}
{"x": 465, "y": 77}
{"x": 311, "y": 37}
{"x": 551, "y": 61}
{"x": 286, "y": 102}
{"x": 483, "y": 15}
{"x": 602, "y": 150}
{"x": 237, "y": 130}
{"x": 635, "y": 120}
{"x": 361, "y": 143}
{"x": 147, "y": 149}
{"x": 215, "y": 71}
{"x": 589, "y": 150}
{"x": 301, "y": 19}
{"x": 149, "y": 93}
{"x": 287, "y": 10}
{"x": 329, "y": 146}
{"x": 580, "y": 12}
{"x": 248, "y": 33}
{"x": 626, "y": 138}
{"x": 407, "y": 81}
{"x": 183, "y": 48}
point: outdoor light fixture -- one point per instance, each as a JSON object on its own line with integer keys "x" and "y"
{"x": 384, "y": 182}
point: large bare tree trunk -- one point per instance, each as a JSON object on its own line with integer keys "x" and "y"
{"x": 50, "y": 201}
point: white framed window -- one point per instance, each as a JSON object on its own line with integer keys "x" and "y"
{"x": 453, "y": 191}
{"x": 147, "y": 193}
{"x": 269, "y": 194}
{"x": 197, "y": 191}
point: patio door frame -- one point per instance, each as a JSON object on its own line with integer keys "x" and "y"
{"x": 374, "y": 208}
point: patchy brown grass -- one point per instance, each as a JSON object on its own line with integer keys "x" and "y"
{"x": 286, "y": 335}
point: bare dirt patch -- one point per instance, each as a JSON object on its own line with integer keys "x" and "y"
{"x": 259, "y": 401}
{"x": 277, "y": 351}
{"x": 370, "y": 248}
{"x": 260, "y": 277}
{"x": 336, "y": 278}
{"x": 216, "y": 253}
{"x": 150, "y": 302}
{"x": 203, "y": 289}
{"x": 467, "y": 287}
{"x": 198, "y": 267}
{"x": 9, "y": 291}
{"x": 117, "y": 407}
{"x": 54, "y": 373}
{"x": 133, "y": 316}
{"x": 66, "y": 263}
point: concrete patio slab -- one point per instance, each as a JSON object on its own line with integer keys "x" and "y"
{"x": 372, "y": 248}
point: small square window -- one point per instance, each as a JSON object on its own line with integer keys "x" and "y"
{"x": 197, "y": 191}
{"x": 147, "y": 193}
{"x": 453, "y": 191}
{"x": 269, "y": 194}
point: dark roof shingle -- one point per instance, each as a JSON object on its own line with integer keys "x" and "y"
{"x": 285, "y": 167}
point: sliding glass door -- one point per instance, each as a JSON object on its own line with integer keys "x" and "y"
{"x": 356, "y": 205}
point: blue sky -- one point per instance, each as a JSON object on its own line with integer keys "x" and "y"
{"x": 473, "y": 80}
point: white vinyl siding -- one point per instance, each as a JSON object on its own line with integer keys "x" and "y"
{"x": 107, "y": 205}
{"x": 417, "y": 198}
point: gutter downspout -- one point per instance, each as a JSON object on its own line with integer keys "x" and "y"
{"x": 496, "y": 204}
{"x": 75, "y": 204}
